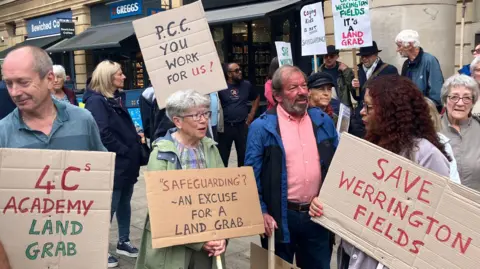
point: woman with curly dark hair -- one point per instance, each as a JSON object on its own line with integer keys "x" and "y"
{"x": 396, "y": 118}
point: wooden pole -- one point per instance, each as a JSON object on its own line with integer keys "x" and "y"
{"x": 462, "y": 33}
{"x": 315, "y": 63}
{"x": 355, "y": 68}
{"x": 219, "y": 262}
{"x": 271, "y": 248}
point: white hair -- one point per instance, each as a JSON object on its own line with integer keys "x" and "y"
{"x": 408, "y": 36}
{"x": 58, "y": 70}
{"x": 458, "y": 80}
{"x": 179, "y": 102}
{"x": 474, "y": 64}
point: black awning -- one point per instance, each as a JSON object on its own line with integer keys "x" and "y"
{"x": 43, "y": 42}
{"x": 97, "y": 37}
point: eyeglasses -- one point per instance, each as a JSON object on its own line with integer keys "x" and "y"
{"x": 235, "y": 71}
{"x": 477, "y": 51}
{"x": 368, "y": 108}
{"x": 466, "y": 99}
{"x": 197, "y": 117}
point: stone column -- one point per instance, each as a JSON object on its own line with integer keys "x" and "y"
{"x": 20, "y": 32}
{"x": 82, "y": 59}
{"x": 434, "y": 20}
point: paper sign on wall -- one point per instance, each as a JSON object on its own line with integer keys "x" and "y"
{"x": 398, "y": 212}
{"x": 55, "y": 208}
{"x": 284, "y": 53}
{"x": 179, "y": 52}
{"x": 208, "y": 204}
{"x": 352, "y": 24}
{"x": 313, "y": 30}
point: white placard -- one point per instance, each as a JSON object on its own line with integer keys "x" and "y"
{"x": 284, "y": 53}
{"x": 313, "y": 30}
{"x": 352, "y": 24}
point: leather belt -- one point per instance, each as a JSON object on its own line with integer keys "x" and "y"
{"x": 300, "y": 207}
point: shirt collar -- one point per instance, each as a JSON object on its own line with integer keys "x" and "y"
{"x": 62, "y": 115}
{"x": 286, "y": 116}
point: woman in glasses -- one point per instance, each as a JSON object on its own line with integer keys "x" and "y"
{"x": 189, "y": 147}
{"x": 396, "y": 118}
{"x": 459, "y": 95}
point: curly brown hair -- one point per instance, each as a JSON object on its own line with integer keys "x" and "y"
{"x": 401, "y": 116}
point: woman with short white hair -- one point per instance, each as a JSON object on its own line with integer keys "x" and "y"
{"x": 60, "y": 92}
{"x": 183, "y": 147}
{"x": 475, "y": 69}
{"x": 459, "y": 95}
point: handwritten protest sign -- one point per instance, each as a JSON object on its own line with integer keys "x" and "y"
{"x": 476, "y": 110}
{"x": 55, "y": 208}
{"x": 179, "y": 52}
{"x": 343, "y": 121}
{"x": 313, "y": 30}
{"x": 208, "y": 204}
{"x": 351, "y": 20}
{"x": 284, "y": 53}
{"x": 403, "y": 215}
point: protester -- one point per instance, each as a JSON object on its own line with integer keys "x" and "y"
{"x": 6, "y": 103}
{"x": 437, "y": 124}
{"x": 236, "y": 116}
{"x": 274, "y": 65}
{"x": 217, "y": 116}
{"x": 289, "y": 169}
{"x": 342, "y": 75}
{"x": 475, "y": 69}
{"x": 188, "y": 146}
{"x": 4, "y": 264}
{"x": 396, "y": 119}
{"x": 320, "y": 87}
{"x": 119, "y": 135}
{"x": 60, "y": 92}
{"x": 370, "y": 67}
{"x": 466, "y": 70}
{"x": 459, "y": 95}
{"x": 420, "y": 66}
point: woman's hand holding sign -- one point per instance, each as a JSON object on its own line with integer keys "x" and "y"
{"x": 269, "y": 223}
{"x": 215, "y": 248}
{"x": 316, "y": 208}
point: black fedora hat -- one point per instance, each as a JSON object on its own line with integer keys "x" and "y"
{"x": 331, "y": 50}
{"x": 366, "y": 51}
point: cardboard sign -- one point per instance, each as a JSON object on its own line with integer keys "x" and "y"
{"x": 403, "y": 215}
{"x": 207, "y": 204}
{"x": 476, "y": 110}
{"x": 351, "y": 20}
{"x": 284, "y": 53}
{"x": 179, "y": 52}
{"x": 313, "y": 30}
{"x": 343, "y": 121}
{"x": 259, "y": 259}
{"x": 55, "y": 208}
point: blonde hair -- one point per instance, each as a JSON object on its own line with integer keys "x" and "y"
{"x": 102, "y": 78}
{"x": 437, "y": 123}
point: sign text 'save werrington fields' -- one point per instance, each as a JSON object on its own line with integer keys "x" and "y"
{"x": 55, "y": 207}
{"x": 403, "y": 215}
{"x": 179, "y": 52}
{"x": 191, "y": 206}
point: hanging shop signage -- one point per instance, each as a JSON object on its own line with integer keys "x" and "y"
{"x": 126, "y": 9}
{"x": 47, "y": 25}
{"x": 67, "y": 29}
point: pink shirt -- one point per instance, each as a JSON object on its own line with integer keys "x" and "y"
{"x": 302, "y": 157}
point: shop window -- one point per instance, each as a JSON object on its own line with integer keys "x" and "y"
{"x": 261, "y": 45}
{"x": 240, "y": 46}
{"x": 286, "y": 31}
{"x": 219, "y": 40}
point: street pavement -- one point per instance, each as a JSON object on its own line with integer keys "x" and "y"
{"x": 238, "y": 251}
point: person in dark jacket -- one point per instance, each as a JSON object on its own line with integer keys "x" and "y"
{"x": 465, "y": 70}
{"x": 421, "y": 67}
{"x": 60, "y": 92}
{"x": 290, "y": 149}
{"x": 370, "y": 67}
{"x": 119, "y": 135}
{"x": 6, "y": 103}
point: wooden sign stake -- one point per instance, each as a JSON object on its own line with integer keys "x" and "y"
{"x": 315, "y": 63}
{"x": 355, "y": 68}
{"x": 219, "y": 262}
{"x": 271, "y": 247}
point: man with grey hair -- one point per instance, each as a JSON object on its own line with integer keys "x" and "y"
{"x": 290, "y": 149}
{"x": 421, "y": 67}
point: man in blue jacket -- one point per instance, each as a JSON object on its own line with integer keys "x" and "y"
{"x": 290, "y": 149}
{"x": 421, "y": 67}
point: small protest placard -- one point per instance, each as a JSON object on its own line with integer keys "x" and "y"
{"x": 398, "y": 212}
{"x": 351, "y": 20}
{"x": 179, "y": 53}
{"x": 55, "y": 208}
{"x": 343, "y": 121}
{"x": 313, "y": 30}
{"x": 208, "y": 204}
{"x": 284, "y": 53}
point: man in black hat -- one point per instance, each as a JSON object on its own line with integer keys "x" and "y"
{"x": 342, "y": 75}
{"x": 370, "y": 67}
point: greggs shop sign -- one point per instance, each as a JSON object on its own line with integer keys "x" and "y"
{"x": 126, "y": 9}
{"x": 47, "y": 25}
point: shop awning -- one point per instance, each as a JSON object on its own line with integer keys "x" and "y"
{"x": 97, "y": 37}
{"x": 42, "y": 42}
{"x": 246, "y": 12}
